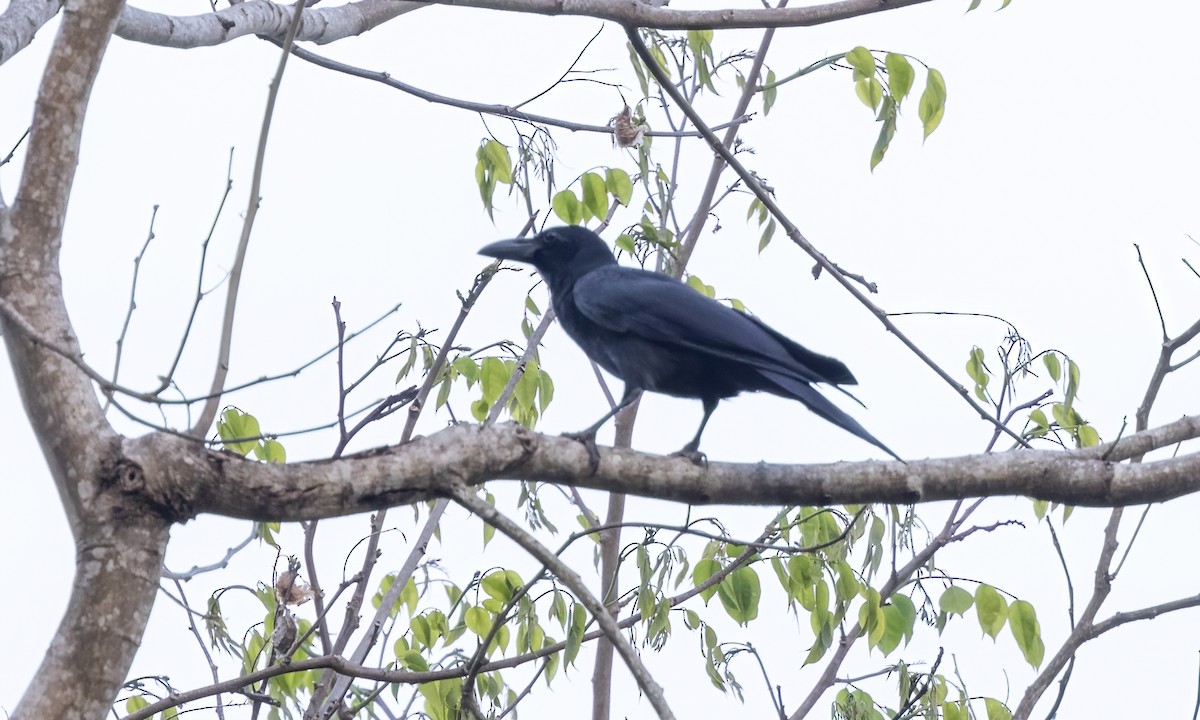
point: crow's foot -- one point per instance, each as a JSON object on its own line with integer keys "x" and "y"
{"x": 588, "y": 439}
{"x": 694, "y": 456}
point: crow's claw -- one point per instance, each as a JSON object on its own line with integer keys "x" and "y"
{"x": 694, "y": 456}
{"x": 588, "y": 440}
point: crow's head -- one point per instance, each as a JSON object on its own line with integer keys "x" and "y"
{"x": 560, "y": 254}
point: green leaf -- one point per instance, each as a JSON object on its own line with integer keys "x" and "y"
{"x": 739, "y": 593}
{"x": 954, "y": 711}
{"x": 887, "y": 115}
{"x": 479, "y": 621}
{"x": 1088, "y": 437}
{"x": 271, "y": 451}
{"x": 933, "y": 102}
{"x": 700, "y": 42}
{"x": 955, "y": 600}
{"x": 595, "y": 194}
{"x": 235, "y": 424}
{"x": 893, "y": 630}
{"x": 1051, "y": 361}
{"x": 545, "y": 390}
{"x": 479, "y": 410}
{"x": 979, "y": 373}
{"x": 862, "y": 61}
{"x": 135, "y": 703}
{"x": 991, "y": 609}
{"x": 906, "y": 614}
{"x": 1039, "y": 418}
{"x": 493, "y": 377}
{"x": 703, "y": 570}
{"x": 467, "y": 368}
{"x": 1022, "y": 620}
{"x": 1072, "y": 383}
{"x": 500, "y": 161}
{"x": 765, "y": 240}
{"x": 618, "y": 183}
{"x": 1040, "y": 507}
{"x": 552, "y": 663}
{"x": 900, "y": 75}
{"x": 567, "y": 207}
{"x": 695, "y": 283}
{"x": 871, "y": 618}
{"x": 770, "y": 90}
{"x": 869, "y": 91}
{"x": 526, "y": 390}
{"x": 575, "y": 632}
{"x": 625, "y": 242}
{"x": 996, "y": 710}
{"x": 659, "y": 57}
{"x": 637, "y": 69}
{"x": 501, "y": 584}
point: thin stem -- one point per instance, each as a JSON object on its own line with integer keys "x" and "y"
{"x": 137, "y": 266}
{"x": 505, "y": 111}
{"x": 794, "y": 233}
{"x": 209, "y": 413}
{"x": 651, "y": 689}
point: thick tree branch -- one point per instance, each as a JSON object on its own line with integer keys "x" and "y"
{"x": 58, "y": 399}
{"x": 20, "y": 21}
{"x": 188, "y": 480}
{"x": 258, "y": 17}
{"x": 635, "y": 13}
{"x": 325, "y": 25}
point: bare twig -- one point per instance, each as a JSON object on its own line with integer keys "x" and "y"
{"x": 200, "y": 292}
{"x": 218, "y": 565}
{"x": 8, "y": 158}
{"x": 1161, "y": 320}
{"x": 1066, "y": 677}
{"x": 465, "y": 497}
{"x": 137, "y": 265}
{"x": 797, "y": 237}
{"x": 327, "y": 701}
{"x": 505, "y": 111}
{"x": 212, "y": 666}
{"x": 209, "y": 413}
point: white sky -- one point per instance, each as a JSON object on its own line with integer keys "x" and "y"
{"x": 1068, "y": 137}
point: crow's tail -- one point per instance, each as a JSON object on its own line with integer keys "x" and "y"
{"x": 819, "y": 404}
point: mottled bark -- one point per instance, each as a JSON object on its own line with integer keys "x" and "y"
{"x": 258, "y": 17}
{"x": 119, "y": 540}
{"x": 187, "y": 480}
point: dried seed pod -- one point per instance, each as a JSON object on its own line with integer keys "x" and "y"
{"x": 625, "y": 131}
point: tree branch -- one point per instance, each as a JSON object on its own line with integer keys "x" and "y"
{"x": 209, "y": 413}
{"x": 794, "y": 233}
{"x": 185, "y": 479}
{"x": 504, "y": 111}
{"x": 20, "y": 21}
{"x": 464, "y": 496}
{"x": 258, "y": 17}
{"x": 642, "y": 14}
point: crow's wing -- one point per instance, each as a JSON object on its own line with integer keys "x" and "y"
{"x": 665, "y": 311}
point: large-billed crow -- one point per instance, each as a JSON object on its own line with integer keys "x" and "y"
{"x": 658, "y": 334}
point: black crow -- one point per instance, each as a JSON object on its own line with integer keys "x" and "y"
{"x": 655, "y": 333}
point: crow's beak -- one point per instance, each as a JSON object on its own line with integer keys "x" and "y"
{"x": 521, "y": 249}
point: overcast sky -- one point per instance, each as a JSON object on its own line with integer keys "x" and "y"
{"x": 1068, "y": 137}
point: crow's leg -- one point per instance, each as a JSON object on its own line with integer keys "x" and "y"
{"x": 587, "y": 436}
{"x": 691, "y": 451}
